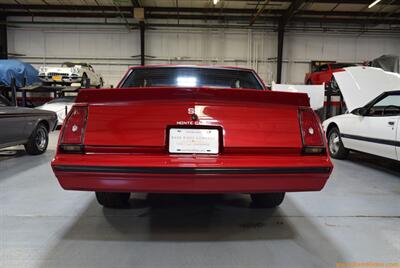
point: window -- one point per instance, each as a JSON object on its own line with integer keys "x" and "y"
{"x": 342, "y": 65}
{"x": 389, "y": 105}
{"x": 73, "y": 64}
{"x": 389, "y": 100}
{"x": 68, "y": 64}
{"x": 192, "y": 77}
{"x": 323, "y": 68}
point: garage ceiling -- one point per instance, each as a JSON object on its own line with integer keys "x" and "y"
{"x": 251, "y": 12}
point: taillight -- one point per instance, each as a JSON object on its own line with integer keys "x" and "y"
{"x": 73, "y": 130}
{"x": 311, "y": 132}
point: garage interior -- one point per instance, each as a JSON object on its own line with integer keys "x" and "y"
{"x": 353, "y": 222}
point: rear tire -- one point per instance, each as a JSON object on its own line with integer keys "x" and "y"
{"x": 38, "y": 141}
{"x": 267, "y": 200}
{"x": 113, "y": 200}
{"x": 335, "y": 145}
{"x": 308, "y": 82}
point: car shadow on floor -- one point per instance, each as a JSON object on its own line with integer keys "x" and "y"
{"x": 181, "y": 217}
{"x": 376, "y": 162}
{"x": 6, "y": 154}
{"x": 198, "y": 219}
{"x": 14, "y": 161}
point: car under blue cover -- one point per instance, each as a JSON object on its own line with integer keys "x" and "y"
{"x": 19, "y": 70}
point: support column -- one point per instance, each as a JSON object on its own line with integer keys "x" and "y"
{"x": 142, "y": 43}
{"x": 281, "y": 34}
{"x": 3, "y": 37}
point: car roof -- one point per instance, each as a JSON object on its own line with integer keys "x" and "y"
{"x": 191, "y": 66}
{"x": 392, "y": 92}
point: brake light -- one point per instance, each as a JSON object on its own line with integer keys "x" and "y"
{"x": 311, "y": 132}
{"x": 73, "y": 130}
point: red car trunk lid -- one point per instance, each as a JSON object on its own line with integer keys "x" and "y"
{"x": 140, "y": 117}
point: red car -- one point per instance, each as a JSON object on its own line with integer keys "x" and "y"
{"x": 191, "y": 129}
{"x": 324, "y": 73}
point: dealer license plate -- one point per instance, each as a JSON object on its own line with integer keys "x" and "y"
{"x": 193, "y": 140}
{"x": 57, "y": 77}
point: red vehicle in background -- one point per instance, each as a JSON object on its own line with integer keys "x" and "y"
{"x": 191, "y": 129}
{"x": 324, "y": 73}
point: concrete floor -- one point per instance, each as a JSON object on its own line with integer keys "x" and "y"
{"x": 356, "y": 218}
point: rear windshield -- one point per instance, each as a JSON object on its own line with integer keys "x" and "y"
{"x": 191, "y": 77}
{"x": 73, "y": 64}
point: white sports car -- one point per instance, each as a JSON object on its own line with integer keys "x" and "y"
{"x": 61, "y": 106}
{"x": 70, "y": 73}
{"x": 372, "y": 97}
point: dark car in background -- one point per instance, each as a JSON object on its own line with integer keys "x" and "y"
{"x": 25, "y": 126}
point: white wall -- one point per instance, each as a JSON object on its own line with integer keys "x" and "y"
{"x": 112, "y": 50}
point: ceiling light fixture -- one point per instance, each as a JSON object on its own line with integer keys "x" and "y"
{"x": 374, "y": 3}
{"x": 215, "y": 2}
